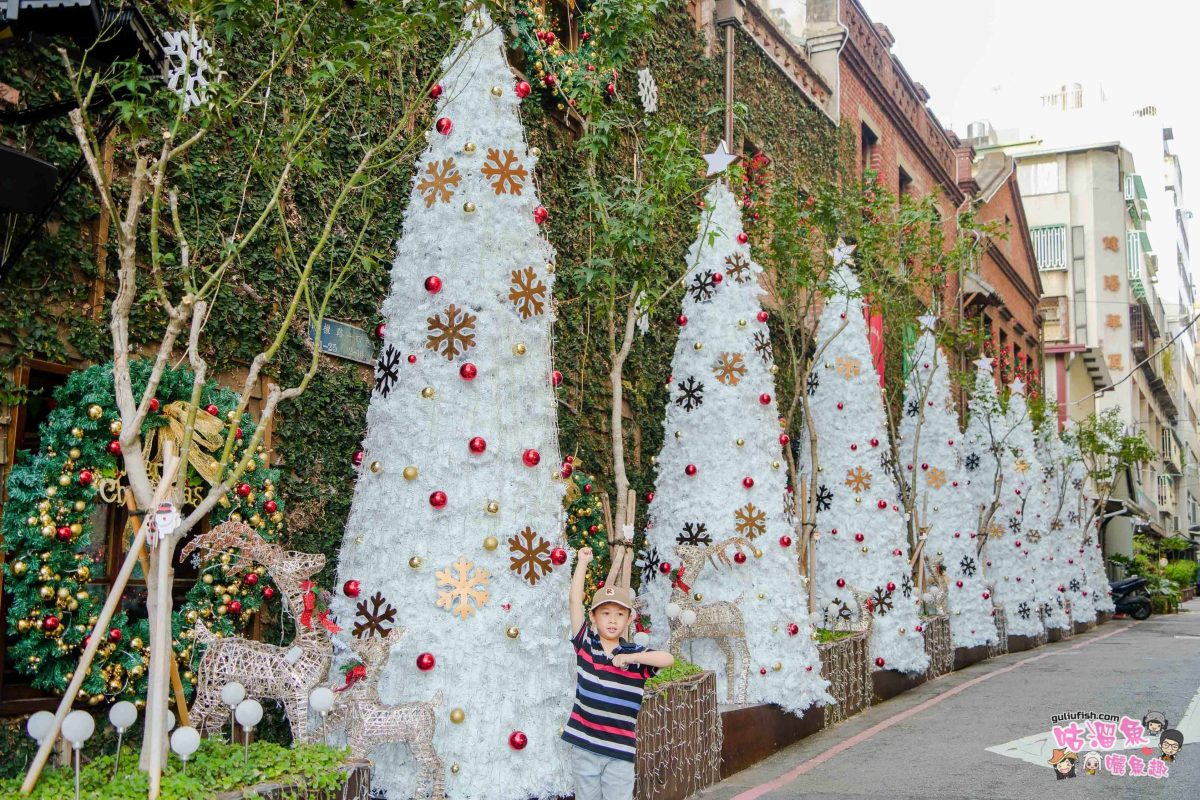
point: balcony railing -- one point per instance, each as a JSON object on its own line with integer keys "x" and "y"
{"x": 1135, "y": 254}
{"x": 1139, "y": 333}
{"x": 1050, "y": 246}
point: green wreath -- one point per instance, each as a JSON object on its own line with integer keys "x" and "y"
{"x": 48, "y": 522}
{"x": 588, "y": 75}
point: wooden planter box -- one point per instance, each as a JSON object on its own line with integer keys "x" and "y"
{"x": 679, "y": 739}
{"x": 1188, "y": 593}
{"x": 356, "y": 787}
{"x": 845, "y": 664}
{"x": 939, "y": 645}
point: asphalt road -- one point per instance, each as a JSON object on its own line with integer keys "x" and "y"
{"x": 933, "y": 742}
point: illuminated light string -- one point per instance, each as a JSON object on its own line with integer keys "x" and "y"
{"x": 1138, "y": 365}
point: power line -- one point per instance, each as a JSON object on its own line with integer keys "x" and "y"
{"x": 1138, "y": 366}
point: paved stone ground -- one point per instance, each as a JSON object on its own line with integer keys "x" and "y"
{"x": 938, "y": 751}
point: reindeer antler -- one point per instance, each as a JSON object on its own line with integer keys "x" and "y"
{"x": 250, "y": 545}
{"x": 738, "y": 543}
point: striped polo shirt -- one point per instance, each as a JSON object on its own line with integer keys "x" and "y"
{"x": 607, "y": 698}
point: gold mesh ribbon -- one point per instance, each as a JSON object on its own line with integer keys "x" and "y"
{"x": 206, "y": 438}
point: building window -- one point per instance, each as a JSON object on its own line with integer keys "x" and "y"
{"x": 906, "y": 183}
{"x": 1050, "y": 246}
{"x": 1038, "y": 177}
{"x": 869, "y": 145}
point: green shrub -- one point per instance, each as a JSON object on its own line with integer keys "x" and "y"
{"x": 676, "y": 672}
{"x": 1182, "y": 572}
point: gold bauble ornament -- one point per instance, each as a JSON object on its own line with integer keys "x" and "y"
{"x": 191, "y": 616}
{"x": 137, "y": 671}
{"x": 410, "y": 473}
{"x": 774, "y": 369}
{"x": 82, "y": 595}
{"x": 903, "y": 631}
{"x": 415, "y": 562}
{"x": 256, "y": 520}
{"x": 427, "y": 393}
{"x": 251, "y": 465}
{"x": 762, "y": 596}
{"x": 95, "y": 700}
{"x": 454, "y": 768}
{"x": 47, "y": 530}
{"x": 469, "y": 207}
{"x": 19, "y": 567}
{"x": 778, "y": 666}
{"x": 222, "y": 609}
{"x": 64, "y": 480}
{"x": 76, "y": 528}
{"x": 741, "y": 323}
{"x": 95, "y": 412}
{"x": 774, "y": 465}
{"x": 457, "y": 715}
{"x": 46, "y": 592}
{"x": 84, "y": 572}
{"x": 52, "y": 491}
{"x": 757, "y": 553}
{"x": 189, "y": 676}
{"x": 698, "y": 346}
{"x": 469, "y": 147}
{"x": 491, "y": 543}
{"x": 23, "y": 625}
{"x": 866, "y": 549}
{"x": 497, "y": 91}
{"x": 513, "y": 632}
{"x": 678, "y": 434}
{"x": 277, "y": 517}
{"x": 63, "y": 593}
{"x": 74, "y": 453}
{"x": 518, "y": 349}
{"x": 699, "y": 598}
{"x": 80, "y": 505}
{"x": 236, "y": 516}
{"x": 207, "y": 578}
{"x": 77, "y": 433}
{"x": 493, "y": 507}
{"x": 114, "y": 427}
{"x": 741, "y": 442}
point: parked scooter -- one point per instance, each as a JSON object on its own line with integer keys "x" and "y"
{"x": 1129, "y": 597}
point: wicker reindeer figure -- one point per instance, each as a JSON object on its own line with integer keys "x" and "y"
{"x": 370, "y": 722}
{"x": 720, "y": 621}
{"x": 287, "y": 673}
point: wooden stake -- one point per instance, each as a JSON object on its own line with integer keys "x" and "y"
{"x": 170, "y": 465}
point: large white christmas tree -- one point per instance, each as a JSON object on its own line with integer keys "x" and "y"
{"x": 721, "y": 475}
{"x": 863, "y": 544}
{"x": 1012, "y": 563}
{"x": 1067, "y": 530}
{"x": 1052, "y": 561}
{"x": 931, "y": 445}
{"x": 456, "y": 514}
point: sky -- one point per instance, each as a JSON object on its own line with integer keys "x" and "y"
{"x": 971, "y": 54}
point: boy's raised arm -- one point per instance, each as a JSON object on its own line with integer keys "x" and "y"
{"x": 577, "y": 581}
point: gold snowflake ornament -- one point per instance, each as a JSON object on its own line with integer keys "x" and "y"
{"x": 439, "y": 182}
{"x": 530, "y": 556}
{"x": 849, "y": 367}
{"x": 729, "y": 369}
{"x": 737, "y": 268}
{"x": 527, "y": 293}
{"x": 936, "y": 478}
{"x": 465, "y": 588}
{"x": 504, "y": 171}
{"x": 858, "y": 479}
{"x": 750, "y": 521}
{"x": 1021, "y": 465}
{"x": 451, "y": 333}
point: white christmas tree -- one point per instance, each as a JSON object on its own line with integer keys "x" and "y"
{"x": 863, "y": 537}
{"x": 932, "y": 445}
{"x": 455, "y": 529}
{"x": 721, "y": 477}
{"x": 1067, "y": 531}
{"x": 1051, "y": 567}
{"x": 1090, "y": 549}
{"x": 1011, "y": 558}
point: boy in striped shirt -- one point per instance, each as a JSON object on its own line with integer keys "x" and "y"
{"x": 610, "y": 676}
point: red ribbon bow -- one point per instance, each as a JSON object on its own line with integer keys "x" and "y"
{"x": 679, "y": 581}
{"x": 310, "y": 605}
{"x": 353, "y": 676}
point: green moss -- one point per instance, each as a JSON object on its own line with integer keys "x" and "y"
{"x": 678, "y": 671}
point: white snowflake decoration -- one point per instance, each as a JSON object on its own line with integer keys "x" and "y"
{"x": 648, "y": 90}
{"x": 187, "y": 55}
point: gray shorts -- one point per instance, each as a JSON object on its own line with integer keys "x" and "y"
{"x": 600, "y": 777}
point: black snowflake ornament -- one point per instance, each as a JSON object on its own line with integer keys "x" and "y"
{"x": 882, "y": 601}
{"x": 692, "y": 394}
{"x": 967, "y": 565}
{"x": 703, "y": 286}
{"x": 650, "y": 563}
{"x": 906, "y": 586}
{"x": 694, "y": 533}
{"x": 814, "y": 381}
{"x": 1023, "y": 611}
{"x": 972, "y": 462}
{"x": 824, "y": 498}
{"x": 912, "y": 408}
{"x": 1074, "y": 585}
{"x": 387, "y": 370}
{"x": 1014, "y": 523}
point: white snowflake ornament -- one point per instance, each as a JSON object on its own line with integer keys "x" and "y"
{"x": 187, "y": 64}
{"x": 648, "y": 90}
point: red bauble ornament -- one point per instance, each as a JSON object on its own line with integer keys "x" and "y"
{"x": 548, "y": 37}
{"x": 748, "y": 482}
{"x": 468, "y": 371}
{"x": 556, "y": 378}
{"x": 351, "y": 588}
{"x": 566, "y": 470}
{"x": 435, "y": 91}
{"x": 438, "y": 499}
{"x": 114, "y": 447}
{"x": 268, "y": 593}
{"x": 649, "y": 497}
{"x": 839, "y": 406}
{"x": 477, "y": 445}
{"x": 270, "y": 506}
{"x": 959, "y": 584}
{"x": 762, "y": 670}
{"x": 50, "y": 623}
{"x": 522, "y": 89}
{"x": 433, "y": 284}
{"x": 85, "y": 477}
{"x": 517, "y": 740}
{"x": 1018, "y": 544}
{"x": 154, "y": 404}
{"x": 593, "y": 529}
{"x": 380, "y": 330}
{"x": 238, "y": 433}
{"x": 763, "y": 316}
{"x": 114, "y": 635}
{"x": 584, "y": 37}
{"x": 358, "y": 458}
{"x": 212, "y": 409}
{"x": 879, "y": 662}
{"x": 764, "y": 398}
{"x": 63, "y": 533}
{"x": 665, "y": 568}
{"x": 785, "y": 541}
{"x": 874, "y": 443}
{"x": 690, "y": 470}
{"x": 793, "y": 629}
{"x": 742, "y": 238}
{"x": 426, "y": 662}
{"x": 682, "y": 320}
{"x": 1062, "y": 588}
{"x": 858, "y": 537}
{"x": 854, "y": 448}
{"x": 611, "y": 88}
{"x": 412, "y": 358}
{"x": 550, "y": 81}
{"x": 234, "y": 606}
{"x": 841, "y": 583}
{"x": 784, "y": 439}
{"x": 882, "y": 504}
{"x": 531, "y": 457}
{"x": 587, "y": 488}
{"x": 918, "y": 628}
{"x": 739, "y": 557}
{"x": 897, "y": 552}
{"x": 558, "y": 556}
{"x": 243, "y": 490}
{"x": 251, "y": 579}
{"x": 540, "y": 215}
{"x": 717, "y": 278}
{"x": 444, "y": 126}
{"x": 891, "y": 587}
